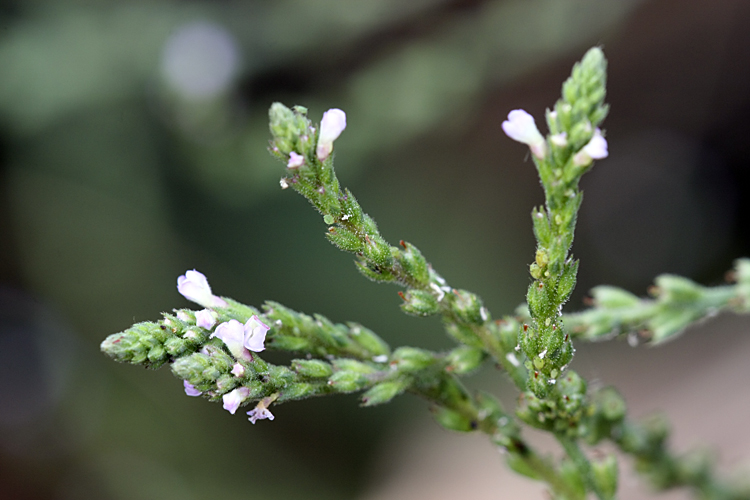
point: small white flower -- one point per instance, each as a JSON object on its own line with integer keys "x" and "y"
{"x": 560, "y": 140}
{"x": 512, "y": 358}
{"x": 238, "y": 370}
{"x": 596, "y": 149}
{"x": 259, "y": 414}
{"x": 183, "y": 316}
{"x": 295, "y": 160}
{"x": 520, "y": 126}
{"x": 283, "y": 183}
{"x": 206, "y": 318}
{"x": 382, "y": 358}
{"x": 232, "y": 333}
{"x": 190, "y": 390}
{"x": 331, "y": 126}
{"x": 232, "y": 400}
{"x": 193, "y": 285}
{"x": 255, "y": 334}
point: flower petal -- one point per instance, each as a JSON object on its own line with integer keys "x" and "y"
{"x": 190, "y": 390}
{"x": 255, "y": 334}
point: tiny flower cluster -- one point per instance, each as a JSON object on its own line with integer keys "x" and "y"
{"x": 239, "y": 338}
{"x": 520, "y": 126}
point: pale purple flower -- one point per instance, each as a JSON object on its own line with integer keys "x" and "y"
{"x": 520, "y": 126}
{"x": 194, "y": 287}
{"x": 255, "y": 334}
{"x": 184, "y": 316}
{"x": 331, "y": 126}
{"x": 190, "y": 390}
{"x": 295, "y": 160}
{"x": 560, "y": 140}
{"x": 259, "y": 414}
{"x": 596, "y": 149}
{"x": 232, "y": 333}
{"x": 238, "y": 370}
{"x": 205, "y": 318}
{"x": 232, "y": 400}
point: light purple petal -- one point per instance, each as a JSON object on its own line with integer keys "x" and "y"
{"x": 597, "y": 146}
{"x": 190, "y": 390}
{"x": 520, "y": 126}
{"x": 193, "y": 285}
{"x": 232, "y": 333}
{"x": 259, "y": 413}
{"x": 331, "y": 126}
{"x": 295, "y": 160}
{"x": 205, "y": 319}
{"x": 232, "y": 400}
{"x": 255, "y": 334}
{"x": 238, "y": 370}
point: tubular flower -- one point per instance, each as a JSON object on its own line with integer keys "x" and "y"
{"x": 232, "y": 400}
{"x": 295, "y": 160}
{"x": 520, "y": 126}
{"x": 255, "y": 334}
{"x": 596, "y": 149}
{"x": 193, "y": 285}
{"x": 205, "y": 318}
{"x": 190, "y": 390}
{"x": 331, "y": 126}
{"x": 232, "y": 333}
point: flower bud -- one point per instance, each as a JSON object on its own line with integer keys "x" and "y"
{"x": 331, "y": 126}
{"x": 520, "y": 126}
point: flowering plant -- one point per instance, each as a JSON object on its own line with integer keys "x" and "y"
{"x": 215, "y": 351}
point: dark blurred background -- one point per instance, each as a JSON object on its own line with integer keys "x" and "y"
{"x": 133, "y": 142}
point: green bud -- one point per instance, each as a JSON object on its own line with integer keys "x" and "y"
{"x": 463, "y": 333}
{"x": 176, "y": 346}
{"x": 345, "y": 239}
{"x": 346, "y": 381}
{"x": 368, "y": 340}
{"x": 610, "y": 403}
{"x": 300, "y": 390}
{"x": 280, "y": 376}
{"x": 226, "y": 382}
{"x": 611, "y": 297}
{"x": 289, "y": 343}
{"x": 385, "y": 391}
{"x": 374, "y": 272}
{"x": 567, "y": 281}
{"x": 411, "y": 359}
{"x": 157, "y": 356}
{"x": 420, "y": 303}
{"x": 453, "y": 420}
{"x": 352, "y": 365}
{"x": 571, "y": 475}
{"x": 465, "y": 359}
{"x": 677, "y": 289}
{"x": 312, "y": 368}
{"x": 542, "y": 229}
{"x": 328, "y": 219}
{"x": 377, "y": 251}
{"x": 518, "y": 464}
{"x": 414, "y": 264}
{"x": 191, "y": 367}
{"x": 467, "y": 307}
{"x": 604, "y": 475}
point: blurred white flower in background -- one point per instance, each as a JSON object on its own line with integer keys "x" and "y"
{"x": 200, "y": 60}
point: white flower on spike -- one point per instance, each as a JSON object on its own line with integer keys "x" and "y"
{"x": 331, "y": 126}
{"x": 520, "y": 126}
{"x": 295, "y": 160}
{"x": 596, "y": 149}
{"x": 233, "y": 400}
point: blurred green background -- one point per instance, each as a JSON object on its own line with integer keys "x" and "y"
{"x": 133, "y": 142}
